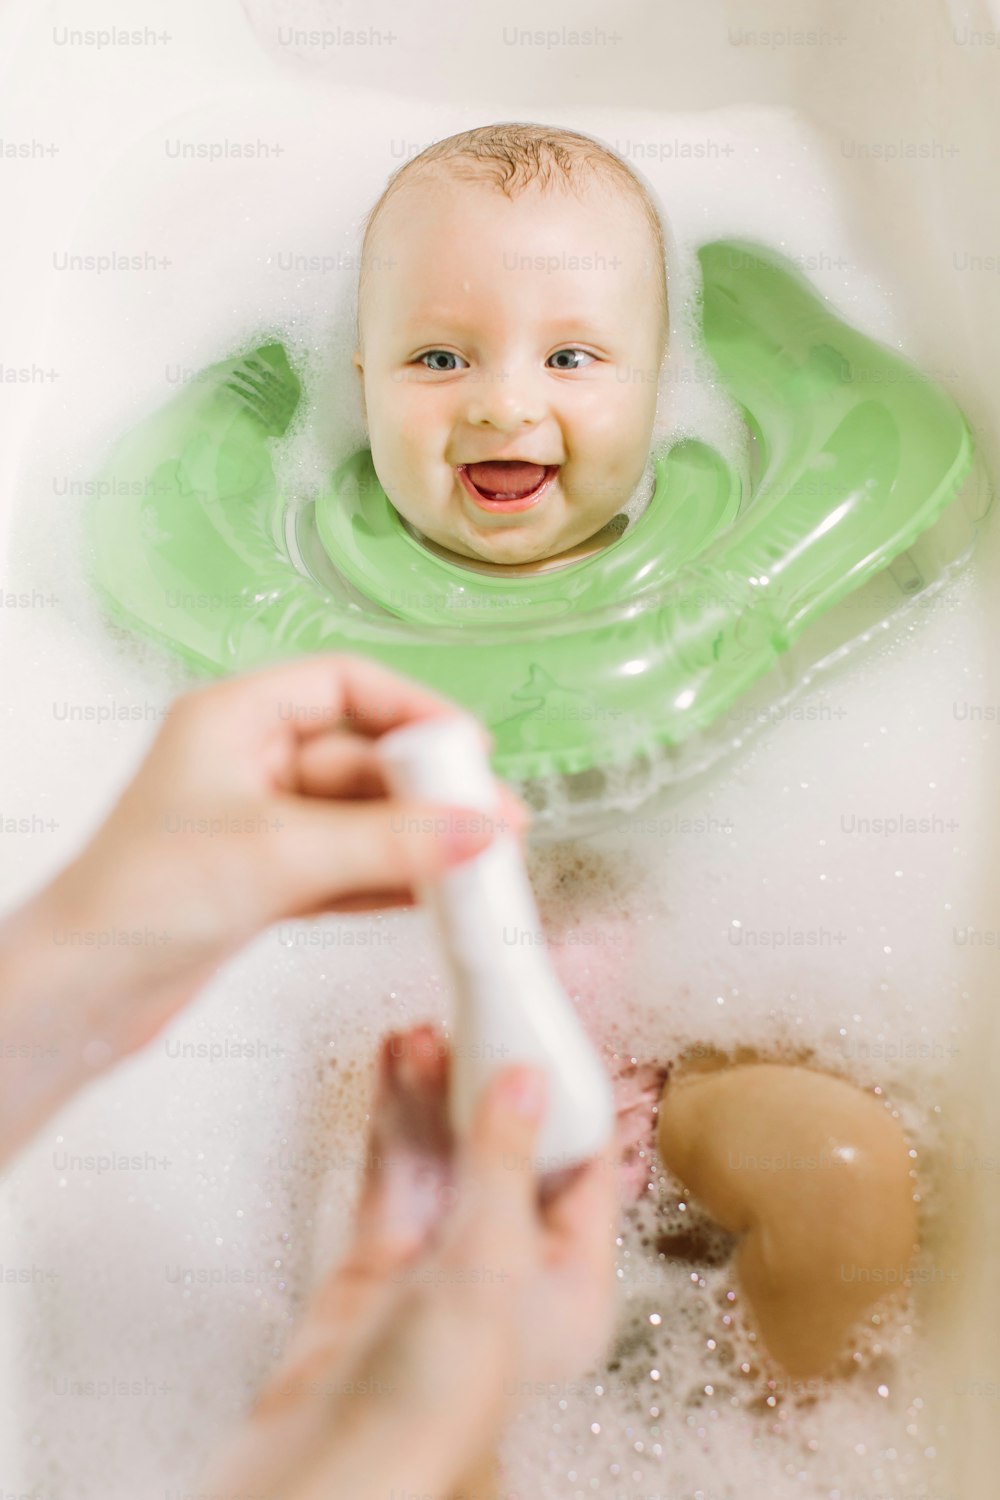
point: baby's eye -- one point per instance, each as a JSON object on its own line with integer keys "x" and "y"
{"x": 439, "y": 354}
{"x": 560, "y": 352}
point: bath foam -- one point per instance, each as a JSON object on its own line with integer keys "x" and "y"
{"x": 686, "y": 1381}
{"x": 264, "y": 1149}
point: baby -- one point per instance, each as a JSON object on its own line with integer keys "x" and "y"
{"x": 512, "y": 321}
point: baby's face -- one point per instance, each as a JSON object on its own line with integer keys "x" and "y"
{"x": 502, "y": 330}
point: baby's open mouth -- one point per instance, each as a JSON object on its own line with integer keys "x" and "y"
{"x": 507, "y": 482}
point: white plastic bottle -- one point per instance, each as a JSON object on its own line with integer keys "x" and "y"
{"x": 509, "y": 1004}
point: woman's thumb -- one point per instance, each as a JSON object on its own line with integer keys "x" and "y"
{"x": 498, "y": 1167}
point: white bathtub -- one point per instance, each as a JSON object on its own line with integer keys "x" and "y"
{"x": 129, "y": 1350}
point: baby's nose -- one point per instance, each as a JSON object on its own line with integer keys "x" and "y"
{"x": 505, "y": 399}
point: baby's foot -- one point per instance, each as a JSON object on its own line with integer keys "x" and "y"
{"x": 637, "y": 1090}
{"x": 411, "y": 1148}
{"x": 408, "y": 1183}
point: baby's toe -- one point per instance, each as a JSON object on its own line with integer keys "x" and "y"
{"x": 637, "y": 1088}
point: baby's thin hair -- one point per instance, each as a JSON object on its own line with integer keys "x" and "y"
{"x": 512, "y": 155}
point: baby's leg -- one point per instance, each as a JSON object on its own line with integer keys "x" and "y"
{"x": 483, "y": 1484}
{"x": 815, "y": 1174}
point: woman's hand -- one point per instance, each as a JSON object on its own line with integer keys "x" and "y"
{"x": 462, "y": 1288}
{"x": 261, "y": 799}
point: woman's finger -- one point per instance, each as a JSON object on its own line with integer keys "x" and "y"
{"x": 345, "y": 849}
{"x": 346, "y": 765}
{"x": 513, "y": 812}
{"x": 495, "y": 1225}
{"x": 340, "y": 764}
{"x": 580, "y": 1219}
{"x": 314, "y": 694}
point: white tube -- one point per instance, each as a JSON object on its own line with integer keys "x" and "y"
{"x": 509, "y": 1004}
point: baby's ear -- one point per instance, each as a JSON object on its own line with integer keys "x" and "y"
{"x": 358, "y": 365}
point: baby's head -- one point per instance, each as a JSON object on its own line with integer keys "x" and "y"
{"x": 512, "y": 305}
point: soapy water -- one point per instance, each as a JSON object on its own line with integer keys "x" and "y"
{"x": 773, "y": 905}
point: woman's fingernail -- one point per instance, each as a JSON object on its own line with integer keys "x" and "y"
{"x": 524, "y": 1092}
{"x": 464, "y": 830}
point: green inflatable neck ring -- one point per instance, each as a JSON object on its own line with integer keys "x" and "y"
{"x": 695, "y": 497}
{"x": 629, "y": 657}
